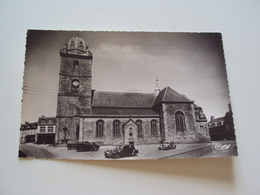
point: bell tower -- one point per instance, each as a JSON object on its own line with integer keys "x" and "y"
{"x": 74, "y": 96}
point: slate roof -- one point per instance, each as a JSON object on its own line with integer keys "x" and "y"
{"x": 130, "y": 103}
{"x": 122, "y": 99}
{"x": 124, "y": 111}
{"x": 107, "y": 103}
{"x": 169, "y": 95}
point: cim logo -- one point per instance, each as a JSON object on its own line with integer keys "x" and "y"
{"x": 222, "y": 147}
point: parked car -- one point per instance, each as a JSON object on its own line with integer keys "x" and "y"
{"x": 87, "y": 146}
{"x": 121, "y": 151}
{"x": 71, "y": 144}
{"x": 167, "y": 145}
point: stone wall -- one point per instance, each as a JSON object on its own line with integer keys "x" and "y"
{"x": 83, "y": 68}
{"x": 71, "y": 123}
{"x": 89, "y": 131}
{"x": 203, "y": 132}
{"x": 190, "y": 135}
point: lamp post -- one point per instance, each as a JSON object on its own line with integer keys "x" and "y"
{"x": 65, "y": 129}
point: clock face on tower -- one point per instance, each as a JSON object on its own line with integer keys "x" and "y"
{"x": 74, "y": 84}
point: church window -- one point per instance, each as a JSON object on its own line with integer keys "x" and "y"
{"x": 116, "y": 127}
{"x": 180, "y": 121}
{"x": 139, "y": 127}
{"x": 76, "y": 64}
{"x": 153, "y": 127}
{"x": 100, "y": 128}
{"x": 77, "y": 132}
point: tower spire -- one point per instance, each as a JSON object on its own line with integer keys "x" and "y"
{"x": 157, "y": 89}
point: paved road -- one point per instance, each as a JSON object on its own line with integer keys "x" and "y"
{"x": 31, "y": 151}
{"x": 214, "y": 149}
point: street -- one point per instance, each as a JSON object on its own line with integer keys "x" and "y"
{"x": 213, "y": 149}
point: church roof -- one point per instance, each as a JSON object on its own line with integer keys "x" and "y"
{"x": 122, "y": 99}
{"x": 169, "y": 95}
{"x": 124, "y": 111}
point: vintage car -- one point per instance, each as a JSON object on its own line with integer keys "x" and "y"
{"x": 121, "y": 151}
{"x": 71, "y": 144}
{"x": 167, "y": 145}
{"x": 86, "y": 146}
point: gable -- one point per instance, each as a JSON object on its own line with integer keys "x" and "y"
{"x": 170, "y": 95}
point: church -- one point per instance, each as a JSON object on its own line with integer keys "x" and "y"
{"x": 110, "y": 118}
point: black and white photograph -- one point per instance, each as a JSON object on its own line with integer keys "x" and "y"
{"x": 102, "y": 95}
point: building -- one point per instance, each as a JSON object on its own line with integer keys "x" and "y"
{"x": 41, "y": 132}
{"x": 120, "y": 117}
{"x": 222, "y": 128}
{"x": 28, "y": 132}
{"x": 46, "y": 130}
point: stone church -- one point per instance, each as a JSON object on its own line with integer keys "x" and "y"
{"x": 107, "y": 118}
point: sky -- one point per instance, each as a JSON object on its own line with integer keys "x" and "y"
{"x": 192, "y": 64}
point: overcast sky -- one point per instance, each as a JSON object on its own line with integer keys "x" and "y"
{"x": 191, "y": 63}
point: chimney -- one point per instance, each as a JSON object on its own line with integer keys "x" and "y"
{"x": 212, "y": 118}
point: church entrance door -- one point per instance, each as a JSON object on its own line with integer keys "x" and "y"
{"x": 130, "y": 133}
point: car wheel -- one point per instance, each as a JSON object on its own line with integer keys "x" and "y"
{"x": 117, "y": 156}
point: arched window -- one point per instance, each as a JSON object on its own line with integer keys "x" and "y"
{"x": 72, "y": 44}
{"x": 153, "y": 127}
{"x": 116, "y": 127}
{"x": 139, "y": 127}
{"x": 75, "y": 64}
{"x": 180, "y": 121}
{"x": 100, "y": 128}
{"x": 81, "y": 45}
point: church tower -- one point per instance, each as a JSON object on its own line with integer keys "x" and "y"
{"x": 74, "y": 96}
